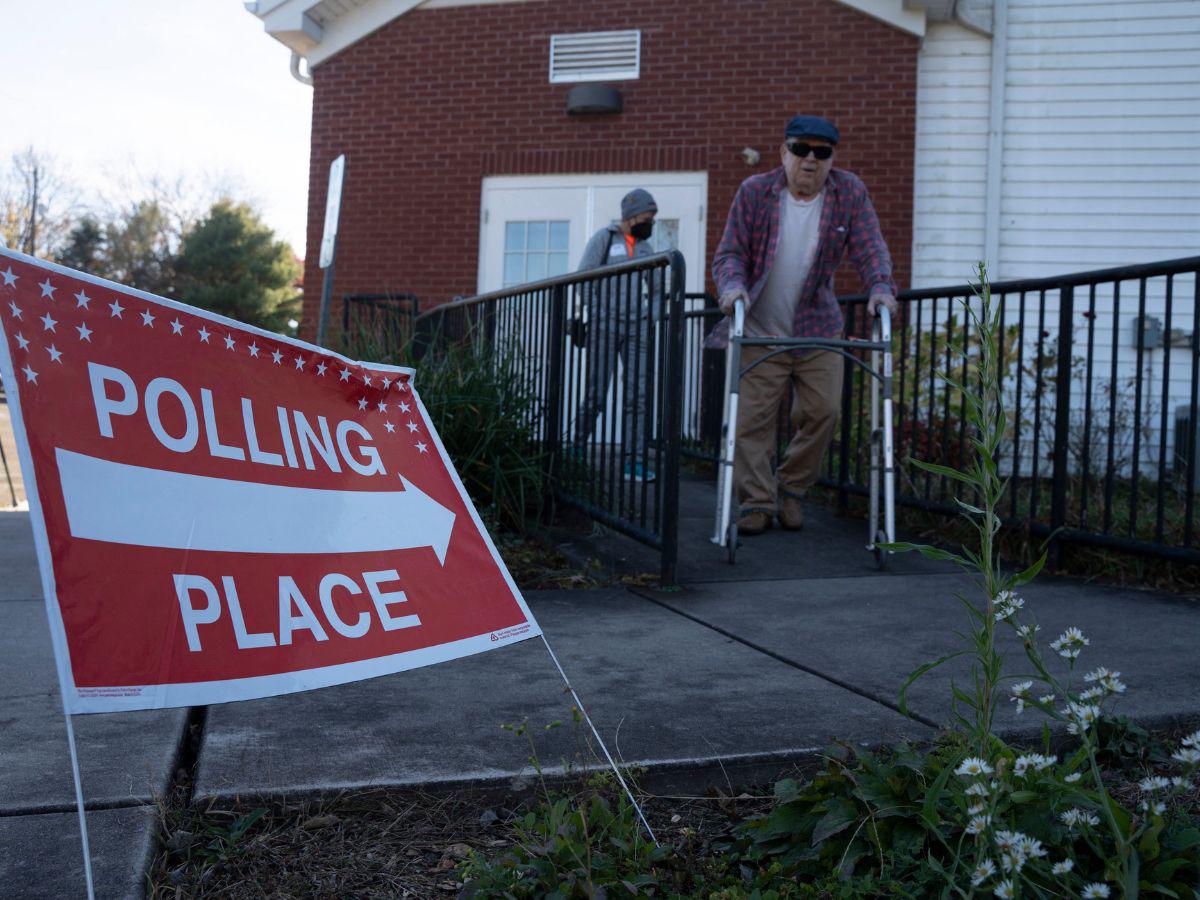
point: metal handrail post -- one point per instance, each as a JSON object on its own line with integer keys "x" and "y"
{"x": 553, "y": 411}
{"x": 1062, "y": 414}
{"x": 672, "y": 374}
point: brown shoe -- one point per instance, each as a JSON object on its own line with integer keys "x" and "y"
{"x": 791, "y": 513}
{"x": 756, "y": 521}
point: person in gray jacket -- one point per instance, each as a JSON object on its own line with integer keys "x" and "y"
{"x": 618, "y": 326}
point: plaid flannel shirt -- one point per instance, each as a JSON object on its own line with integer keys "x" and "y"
{"x": 848, "y": 225}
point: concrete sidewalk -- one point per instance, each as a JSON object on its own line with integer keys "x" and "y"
{"x": 745, "y": 671}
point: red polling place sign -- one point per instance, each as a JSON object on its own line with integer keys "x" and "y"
{"x": 223, "y": 513}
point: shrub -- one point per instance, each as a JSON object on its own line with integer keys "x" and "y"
{"x": 483, "y": 416}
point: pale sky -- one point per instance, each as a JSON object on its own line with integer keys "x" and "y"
{"x": 118, "y": 88}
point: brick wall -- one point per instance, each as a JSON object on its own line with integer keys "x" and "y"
{"x": 427, "y": 106}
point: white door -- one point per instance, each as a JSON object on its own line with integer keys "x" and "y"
{"x": 535, "y": 227}
{"x": 530, "y": 221}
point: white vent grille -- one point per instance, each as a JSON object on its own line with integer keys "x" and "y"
{"x": 595, "y": 56}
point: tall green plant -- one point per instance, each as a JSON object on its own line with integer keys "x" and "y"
{"x": 985, "y": 422}
{"x": 1000, "y": 786}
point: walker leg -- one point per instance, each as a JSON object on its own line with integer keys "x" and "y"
{"x": 721, "y": 528}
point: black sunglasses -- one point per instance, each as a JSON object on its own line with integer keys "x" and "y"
{"x": 800, "y": 150}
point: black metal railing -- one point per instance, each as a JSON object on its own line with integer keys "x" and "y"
{"x": 596, "y": 350}
{"x": 1092, "y": 394}
{"x": 1101, "y": 376}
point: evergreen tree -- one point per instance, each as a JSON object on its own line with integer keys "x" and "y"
{"x": 231, "y": 263}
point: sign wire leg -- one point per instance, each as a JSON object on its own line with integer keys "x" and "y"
{"x": 600, "y": 741}
{"x": 83, "y": 834}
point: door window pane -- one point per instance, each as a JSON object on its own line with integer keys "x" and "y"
{"x": 536, "y": 236}
{"x": 558, "y": 235}
{"x": 514, "y": 236}
{"x": 535, "y": 249}
{"x": 514, "y": 268}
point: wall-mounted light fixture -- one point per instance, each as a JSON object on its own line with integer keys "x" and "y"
{"x": 594, "y": 99}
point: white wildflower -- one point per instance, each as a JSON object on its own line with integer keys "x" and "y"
{"x": 1106, "y": 680}
{"x": 1062, "y": 868}
{"x": 983, "y": 872}
{"x": 978, "y": 789}
{"x": 1020, "y": 692}
{"x": 978, "y": 823}
{"x": 1154, "y": 783}
{"x": 1028, "y": 631}
{"x": 1006, "y": 605}
{"x": 1007, "y": 840}
{"x": 1181, "y": 783}
{"x": 1005, "y": 889}
{"x": 1032, "y": 761}
{"x": 1157, "y": 808}
{"x": 1046, "y": 699}
{"x": 1093, "y": 694}
{"x": 1189, "y": 756}
{"x": 1073, "y": 777}
{"x": 1069, "y": 643}
{"x": 1031, "y": 847}
{"x": 1082, "y": 716}
{"x": 976, "y": 809}
{"x": 1012, "y": 862}
{"x": 973, "y": 765}
{"x": 1095, "y": 889}
{"x": 1076, "y": 816}
{"x": 1192, "y": 740}
{"x": 1113, "y": 684}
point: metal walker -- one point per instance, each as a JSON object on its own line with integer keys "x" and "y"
{"x": 881, "y": 464}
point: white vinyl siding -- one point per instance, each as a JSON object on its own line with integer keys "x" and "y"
{"x": 1102, "y": 135}
{"x": 1100, "y": 168}
{"x": 953, "y": 75}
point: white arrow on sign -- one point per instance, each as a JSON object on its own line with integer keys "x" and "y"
{"x": 124, "y": 504}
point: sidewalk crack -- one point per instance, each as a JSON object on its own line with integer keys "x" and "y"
{"x": 866, "y": 695}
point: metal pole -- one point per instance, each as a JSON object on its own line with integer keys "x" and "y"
{"x": 326, "y": 291}
{"x": 612, "y": 763}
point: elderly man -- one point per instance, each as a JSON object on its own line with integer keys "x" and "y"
{"x": 618, "y": 327}
{"x": 787, "y": 231}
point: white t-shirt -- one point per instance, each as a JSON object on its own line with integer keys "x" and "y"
{"x": 774, "y": 312}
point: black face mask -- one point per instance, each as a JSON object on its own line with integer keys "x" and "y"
{"x": 642, "y": 230}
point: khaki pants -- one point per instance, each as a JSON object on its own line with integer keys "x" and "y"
{"x": 816, "y": 380}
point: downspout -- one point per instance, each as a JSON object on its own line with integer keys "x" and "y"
{"x": 995, "y": 151}
{"x": 296, "y": 73}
